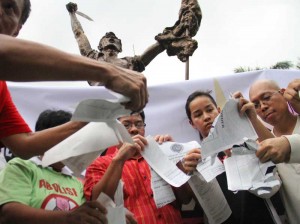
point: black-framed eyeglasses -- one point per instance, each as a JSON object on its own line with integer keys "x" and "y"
{"x": 138, "y": 125}
{"x": 264, "y": 99}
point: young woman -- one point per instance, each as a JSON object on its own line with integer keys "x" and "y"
{"x": 201, "y": 110}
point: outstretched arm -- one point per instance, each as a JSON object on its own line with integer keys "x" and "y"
{"x": 109, "y": 182}
{"x": 89, "y": 212}
{"x": 151, "y": 52}
{"x": 81, "y": 38}
{"x": 247, "y": 107}
{"x": 22, "y": 60}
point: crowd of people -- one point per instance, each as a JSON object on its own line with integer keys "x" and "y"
{"x": 31, "y": 193}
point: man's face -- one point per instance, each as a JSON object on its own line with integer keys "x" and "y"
{"x": 10, "y": 15}
{"x": 111, "y": 43}
{"x": 134, "y": 124}
{"x": 269, "y": 102}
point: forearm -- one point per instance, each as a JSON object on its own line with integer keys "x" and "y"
{"x": 82, "y": 40}
{"x": 262, "y": 132}
{"x": 151, "y": 52}
{"x": 184, "y": 193}
{"x": 17, "y": 213}
{"x": 27, "y": 145}
{"x": 22, "y": 60}
{"x": 110, "y": 180}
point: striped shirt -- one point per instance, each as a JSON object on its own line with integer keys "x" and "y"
{"x": 138, "y": 195}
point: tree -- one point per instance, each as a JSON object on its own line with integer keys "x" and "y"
{"x": 282, "y": 65}
{"x": 278, "y": 65}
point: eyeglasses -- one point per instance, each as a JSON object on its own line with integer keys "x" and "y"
{"x": 264, "y": 99}
{"x": 138, "y": 125}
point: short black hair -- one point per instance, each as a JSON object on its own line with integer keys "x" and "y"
{"x": 194, "y": 95}
{"x": 26, "y": 11}
{"x": 52, "y": 118}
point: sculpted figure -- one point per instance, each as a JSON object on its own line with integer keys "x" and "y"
{"x": 177, "y": 40}
{"x": 109, "y": 47}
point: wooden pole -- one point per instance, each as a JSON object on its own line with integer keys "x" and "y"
{"x": 187, "y": 63}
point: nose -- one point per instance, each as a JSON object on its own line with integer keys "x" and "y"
{"x": 206, "y": 116}
{"x": 133, "y": 130}
{"x": 263, "y": 105}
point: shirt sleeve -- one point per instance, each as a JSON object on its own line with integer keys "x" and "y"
{"x": 15, "y": 182}
{"x": 294, "y": 141}
{"x": 94, "y": 173}
{"x": 10, "y": 119}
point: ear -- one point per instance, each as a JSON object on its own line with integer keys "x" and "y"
{"x": 18, "y": 30}
{"x": 191, "y": 123}
{"x": 219, "y": 109}
{"x": 281, "y": 91}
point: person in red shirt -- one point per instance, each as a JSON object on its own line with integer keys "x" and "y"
{"x": 104, "y": 173}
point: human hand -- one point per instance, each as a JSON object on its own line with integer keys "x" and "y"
{"x": 130, "y": 218}
{"x": 278, "y": 150}
{"x": 128, "y": 150}
{"x": 129, "y": 83}
{"x": 71, "y": 7}
{"x": 91, "y": 212}
{"x": 245, "y": 106}
{"x": 291, "y": 94}
{"x": 163, "y": 138}
{"x": 190, "y": 160}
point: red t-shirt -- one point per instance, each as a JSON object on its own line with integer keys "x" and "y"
{"x": 11, "y": 121}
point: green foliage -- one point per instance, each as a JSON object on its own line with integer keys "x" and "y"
{"x": 278, "y": 65}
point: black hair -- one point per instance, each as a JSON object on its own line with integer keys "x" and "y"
{"x": 52, "y": 118}
{"x": 26, "y": 11}
{"x": 194, "y": 95}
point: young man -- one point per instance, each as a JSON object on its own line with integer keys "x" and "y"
{"x": 22, "y": 60}
{"x": 273, "y": 109}
{"x": 104, "y": 173}
{"x": 44, "y": 195}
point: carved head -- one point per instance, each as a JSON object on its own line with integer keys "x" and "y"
{"x": 110, "y": 41}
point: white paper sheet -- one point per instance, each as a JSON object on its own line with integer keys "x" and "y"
{"x": 162, "y": 191}
{"x": 99, "y": 110}
{"x": 115, "y": 214}
{"x": 210, "y": 168}
{"x": 211, "y": 199}
{"x": 160, "y": 163}
{"x": 244, "y": 170}
{"x": 176, "y": 151}
{"x": 230, "y": 128}
{"x": 88, "y": 143}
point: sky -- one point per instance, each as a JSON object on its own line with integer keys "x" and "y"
{"x": 232, "y": 33}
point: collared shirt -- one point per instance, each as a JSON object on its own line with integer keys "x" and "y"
{"x": 138, "y": 195}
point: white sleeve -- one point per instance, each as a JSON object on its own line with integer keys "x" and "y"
{"x": 294, "y": 141}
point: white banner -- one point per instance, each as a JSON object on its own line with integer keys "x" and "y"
{"x": 165, "y": 112}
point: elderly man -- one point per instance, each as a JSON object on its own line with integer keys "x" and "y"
{"x": 272, "y": 107}
{"x": 284, "y": 148}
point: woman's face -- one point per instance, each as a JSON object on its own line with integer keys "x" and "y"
{"x": 203, "y": 114}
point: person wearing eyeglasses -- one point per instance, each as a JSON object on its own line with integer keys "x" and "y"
{"x": 284, "y": 149}
{"x": 274, "y": 108}
{"x": 104, "y": 173}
